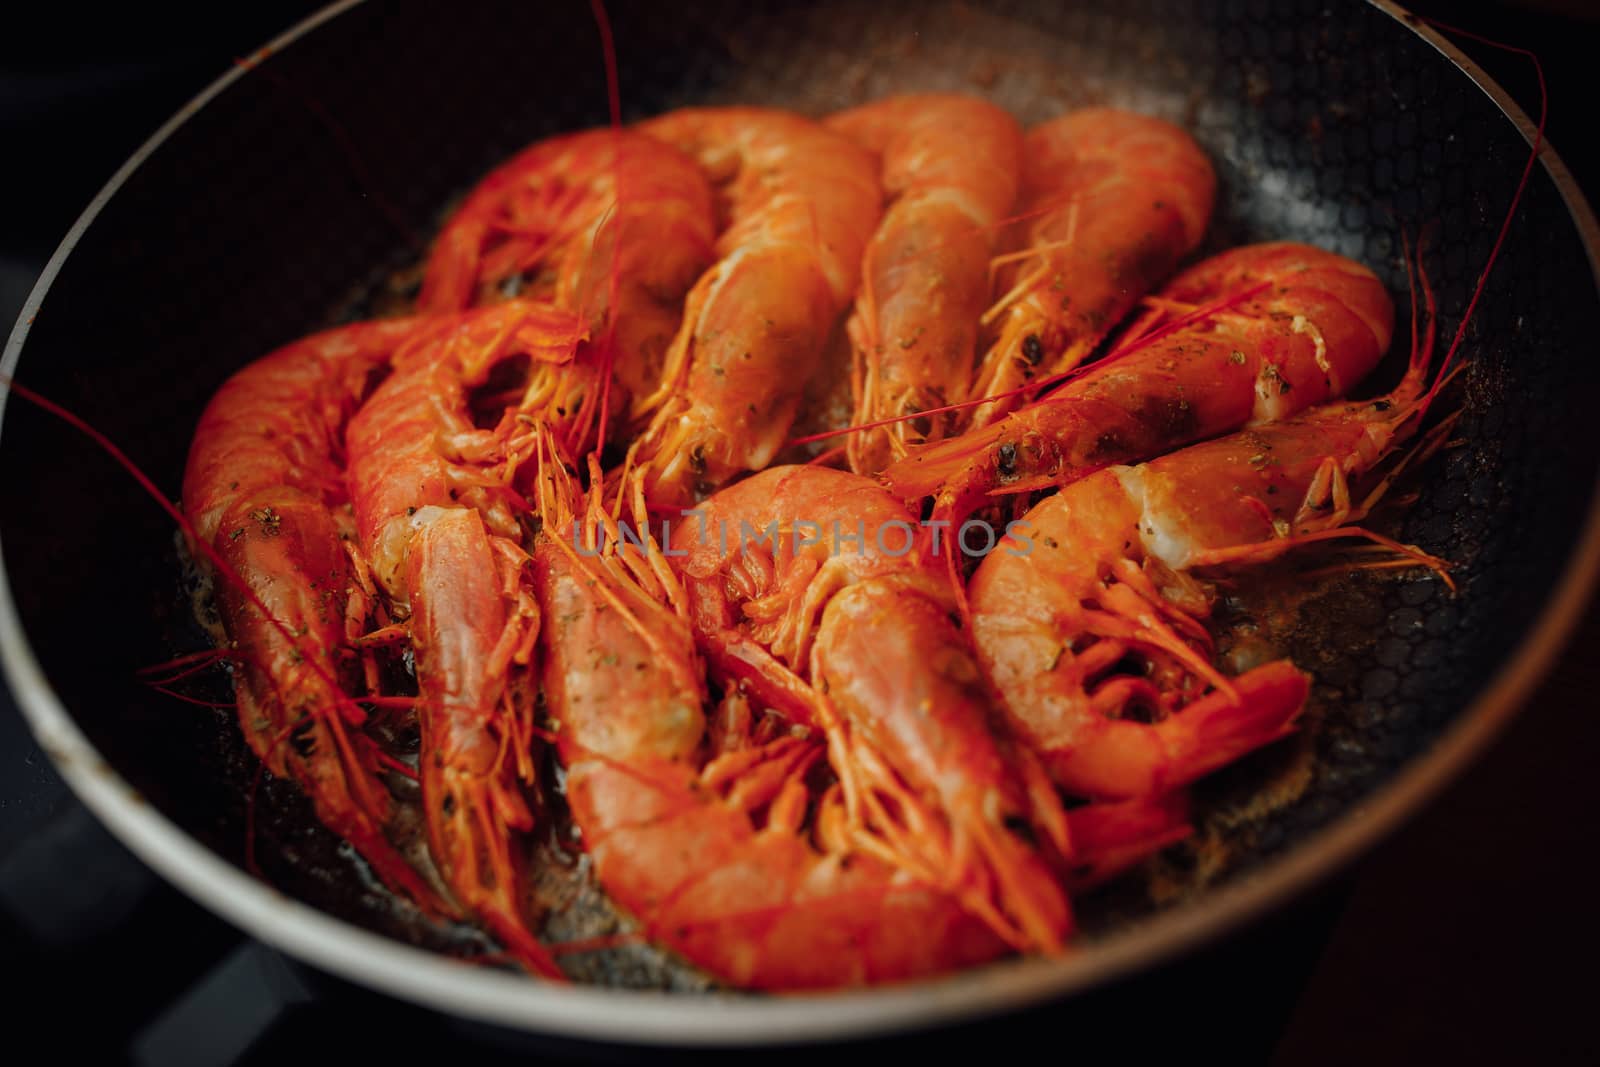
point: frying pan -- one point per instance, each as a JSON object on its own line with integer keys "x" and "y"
{"x": 295, "y": 193}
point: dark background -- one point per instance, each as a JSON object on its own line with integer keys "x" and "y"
{"x": 1466, "y": 937}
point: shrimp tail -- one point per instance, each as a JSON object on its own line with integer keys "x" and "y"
{"x": 1112, "y": 837}
{"x": 1123, "y": 758}
{"x": 472, "y": 627}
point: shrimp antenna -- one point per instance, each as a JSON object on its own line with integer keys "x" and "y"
{"x": 110, "y": 448}
{"x": 608, "y": 48}
{"x": 1516, "y": 197}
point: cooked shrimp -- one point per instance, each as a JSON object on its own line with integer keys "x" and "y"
{"x": 709, "y": 837}
{"x": 1113, "y": 201}
{"x": 608, "y": 224}
{"x": 1110, "y": 577}
{"x": 801, "y": 202}
{"x": 1261, "y": 332}
{"x": 264, "y": 489}
{"x": 439, "y": 525}
{"x": 856, "y": 639}
{"x": 950, "y": 169}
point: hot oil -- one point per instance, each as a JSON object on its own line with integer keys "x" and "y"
{"x": 1326, "y": 626}
{"x": 578, "y": 913}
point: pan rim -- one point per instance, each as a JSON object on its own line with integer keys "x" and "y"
{"x": 634, "y": 1017}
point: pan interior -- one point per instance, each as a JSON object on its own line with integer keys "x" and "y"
{"x": 295, "y": 198}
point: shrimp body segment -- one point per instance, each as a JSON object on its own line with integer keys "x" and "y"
{"x": 950, "y": 168}
{"x": 800, "y": 202}
{"x": 1112, "y": 202}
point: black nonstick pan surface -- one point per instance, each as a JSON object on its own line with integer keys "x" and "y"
{"x": 299, "y": 191}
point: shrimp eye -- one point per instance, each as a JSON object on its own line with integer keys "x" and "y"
{"x": 1007, "y": 460}
{"x": 1020, "y": 826}
{"x": 1032, "y": 350}
{"x": 302, "y": 739}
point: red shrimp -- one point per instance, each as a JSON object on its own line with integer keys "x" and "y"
{"x": 801, "y": 202}
{"x": 611, "y": 225}
{"x": 1113, "y": 201}
{"x": 264, "y": 489}
{"x": 950, "y": 169}
{"x": 1109, "y": 571}
{"x": 1261, "y": 332}
{"x": 439, "y": 527}
{"x": 855, "y": 638}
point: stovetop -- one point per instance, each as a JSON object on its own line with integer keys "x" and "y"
{"x": 1443, "y": 944}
